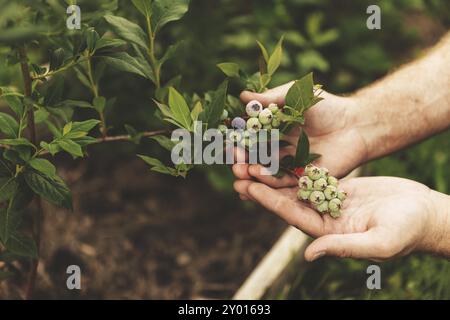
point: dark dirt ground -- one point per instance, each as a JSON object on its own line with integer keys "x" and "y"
{"x": 142, "y": 235}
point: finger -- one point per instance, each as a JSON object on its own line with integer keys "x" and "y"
{"x": 292, "y": 211}
{"x": 244, "y": 198}
{"x": 241, "y": 187}
{"x": 263, "y": 175}
{"x": 275, "y": 95}
{"x": 367, "y": 245}
{"x": 240, "y": 170}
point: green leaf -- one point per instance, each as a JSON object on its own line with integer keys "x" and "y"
{"x": 144, "y": 6}
{"x": 165, "y": 11}
{"x": 158, "y": 166}
{"x": 67, "y": 128}
{"x": 54, "y": 91}
{"x": 127, "y": 30}
{"x": 212, "y": 112}
{"x": 57, "y": 59}
{"x": 164, "y": 142}
{"x": 91, "y": 39}
{"x": 54, "y": 190}
{"x": 263, "y": 51}
{"x": 17, "y": 142}
{"x": 13, "y": 100}
{"x": 300, "y": 96}
{"x": 99, "y": 104}
{"x": 170, "y": 53}
{"x": 302, "y": 152}
{"x": 71, "y": 147}
{"x": 44, "y": 166}
{"x": 106, "y": 43}
{"x": 8, "y": 125}
{"x": 22, "y": 245}
{"x": 75, "y": 104}
{"x": 230, "y": 69}
{"x": 122, "y": 61}
{"x": 8, "y": 186}
{"x": 84, "y": 126}
{"x": 275, "y": 58}
{"x": 198, "y": 108}
{"x": 179, "y": 109}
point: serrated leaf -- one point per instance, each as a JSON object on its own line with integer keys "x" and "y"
{"x": 22, "y": 245}
{"x": 179, "y": 109}
{"x": 43, "y": 165}
{"x": 71, "y": 147}
{"x": 302, "y": 152}
{"x": 54, "y": 190}
{"x": 67, "y": 128}
{"x": 275, "y": 58}
{"x": 127, "y": 30}
{"x": 230, "y": 69}
{"x": 8, "y": 125}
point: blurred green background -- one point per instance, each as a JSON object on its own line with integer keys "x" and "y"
{"x": 327, "y": 37}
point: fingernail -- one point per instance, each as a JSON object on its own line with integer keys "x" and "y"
{"x": 318, "y": 255}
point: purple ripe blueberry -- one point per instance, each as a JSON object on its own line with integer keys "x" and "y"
{"x": 253, "y": 108}
{"x": 238, "y": 123}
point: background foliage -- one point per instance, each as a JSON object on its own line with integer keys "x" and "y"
{"x": 324, "y": 36}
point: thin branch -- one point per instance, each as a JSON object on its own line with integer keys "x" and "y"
{"x": 27, "y": 81}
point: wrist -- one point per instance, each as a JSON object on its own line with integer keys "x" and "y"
{"x": 437, "y": 235}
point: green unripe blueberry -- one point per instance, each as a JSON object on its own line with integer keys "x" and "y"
{"x": 320, "y": 184}
{"x": 222, "y": 128}
{"x": 275, "y": 122}
{"x": 335, "y": 205}
{"x": 316, "y": 197}
{"x": 253, "y": 124}
{"x": 313, "y": 172}
{"x": 224, "y": 115}
{"x": 324, "y": 173}
{"x": 332, "y": 181}
{"x": 235, "y": 136}
{"x": 265, "y": 116}
{"x": 305, "y": 183}
{"x": 303, "y": 194}
{"x": 330, "y": 192}
{"x": 335, "y": 214}
{"x": 341, "y": 195}
{"x": 323, "y": 207}
{"x": 273, "y": 107}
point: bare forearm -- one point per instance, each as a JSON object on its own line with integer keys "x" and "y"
{"x": 437, "y": 239}
{"x": 408, "y": 105}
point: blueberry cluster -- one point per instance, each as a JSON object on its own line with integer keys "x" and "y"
{"x": 257, "y": 117}
{"x": 320, "y": 189}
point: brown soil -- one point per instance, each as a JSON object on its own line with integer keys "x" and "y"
{"x": 141, "y": 235}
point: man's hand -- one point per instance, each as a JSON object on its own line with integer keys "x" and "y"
{"x": 330, "y": 128}
{"x": 382, "y": 217}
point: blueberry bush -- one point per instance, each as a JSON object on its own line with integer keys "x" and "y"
{"x": 40, "y": 118}
{"x": 115, "y": 78}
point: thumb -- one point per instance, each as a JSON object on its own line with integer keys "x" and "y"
{"x": 367, "y": 245}
{"x": 274, "y": 95}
